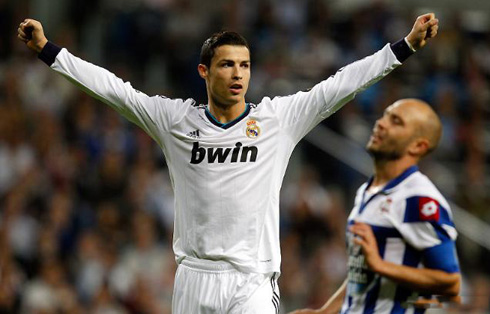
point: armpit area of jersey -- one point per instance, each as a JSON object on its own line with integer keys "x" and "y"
{"x": 49, "y": 53}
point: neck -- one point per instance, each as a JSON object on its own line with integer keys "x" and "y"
{"x": 226, "y": 113}
{"x": 387, "y": 170}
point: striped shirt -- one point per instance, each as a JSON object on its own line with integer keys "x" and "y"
{"x": 413, "y": 226}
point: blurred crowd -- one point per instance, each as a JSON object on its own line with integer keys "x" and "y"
{"x": 86, "y": 206}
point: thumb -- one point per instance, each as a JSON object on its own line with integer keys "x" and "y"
{"x": 429, "y": 24}
{"x": 28, "y": 27}
{"x": 424, "y": 18}
{"x": 429, "y": 16}
{"x": 427, "y": 21}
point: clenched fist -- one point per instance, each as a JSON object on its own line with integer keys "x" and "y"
{"x": 31, "y": 32}
{"x": 424, "y": 28}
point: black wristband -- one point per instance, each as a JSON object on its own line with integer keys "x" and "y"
{"x": 401, "y": 50}
{"x": 49, "y": 53}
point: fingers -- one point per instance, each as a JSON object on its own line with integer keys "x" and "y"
{"x": 24, "y": 33}
{"x": 360, "y": 228}
{"x": 428, "y": 21}
{"x": 29, "y": 25}
{"x": 23, "y": 38}
{"x": 363, "y": 232}
{"x": 424, "y": 18}
{"x": 21, "y": 34}
{"x": 432, "y": 31}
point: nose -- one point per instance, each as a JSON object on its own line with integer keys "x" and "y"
{"x": 381, "y": 122}
{"x": 237, "y": 73}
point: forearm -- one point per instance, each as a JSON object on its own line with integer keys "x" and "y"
{"x": 358, "y": 76}
{"x": 95, "y": 81}
{"x": 334, "y": 304}
{"x": 421, "y": 279}
{"x": 137, "y": 107}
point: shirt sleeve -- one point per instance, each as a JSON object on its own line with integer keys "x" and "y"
{"x": 300, "y": 112}
{"x": 153, "y": 114}
{"x": 428, "y": 227}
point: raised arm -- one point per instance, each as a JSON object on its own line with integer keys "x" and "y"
{"x": 302, "y": 111}
{"x": 153, "y": 114}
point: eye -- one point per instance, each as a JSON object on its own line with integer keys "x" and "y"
{"x": 396, "y": 120}
{"x": 245, "y": 65}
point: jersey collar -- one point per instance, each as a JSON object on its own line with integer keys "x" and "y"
{"x": 388, "y": 187}
{"x": 229, "y": 124}
{"x": 396, "y": 181}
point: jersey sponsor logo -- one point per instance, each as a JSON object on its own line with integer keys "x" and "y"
{"x": 239, "y": 153}
{"x": 360, "y": 277}
{"x": 252, "y": 130}
{"x": 428, "y": 209}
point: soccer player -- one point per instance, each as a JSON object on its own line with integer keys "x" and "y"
{"x": 227, "y": 159}
{"x": 400, "y": 221}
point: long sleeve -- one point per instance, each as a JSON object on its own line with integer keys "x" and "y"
{"x": 153, "y": 114}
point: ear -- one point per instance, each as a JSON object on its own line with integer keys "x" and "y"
{"x": 203, "y": 71}
{"x": 419, "y": 147}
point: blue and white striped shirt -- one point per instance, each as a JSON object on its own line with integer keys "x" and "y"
{"x": 413, "y": 226}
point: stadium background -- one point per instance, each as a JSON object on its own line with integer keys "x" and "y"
{"x": 85, "y": 199}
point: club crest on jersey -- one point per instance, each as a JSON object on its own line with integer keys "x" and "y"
{"x": 428, "y": 209}
{"x": 385, "y": 206}
{"x": 253, "y": 130}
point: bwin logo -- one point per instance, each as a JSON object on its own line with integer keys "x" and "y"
{"x": 238, "y": 153}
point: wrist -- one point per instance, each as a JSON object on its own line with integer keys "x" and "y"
{"x": 379, "y": 267}
{"x": 40, "y": 46}
{"x": 49, "y": 53}
{"x": 409, "y": 44}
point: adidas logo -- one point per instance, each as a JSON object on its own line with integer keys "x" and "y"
{"x": 193, "y": 134}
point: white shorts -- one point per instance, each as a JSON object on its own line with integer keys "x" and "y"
{"x": 216, "y": 287}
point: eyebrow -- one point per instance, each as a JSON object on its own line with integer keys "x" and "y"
{"x": 229, "y": 60}
{"x": 394, "y": 115}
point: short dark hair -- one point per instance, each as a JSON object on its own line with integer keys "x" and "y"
{"x": 219, "y": 39}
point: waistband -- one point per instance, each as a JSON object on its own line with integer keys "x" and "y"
{"x": 207, "y": 265}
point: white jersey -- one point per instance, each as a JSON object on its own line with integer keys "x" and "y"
{"x": 227, "y": 178}
{"x": 413, "y": 226}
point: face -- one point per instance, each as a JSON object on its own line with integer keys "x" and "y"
{"x": 392, "y": 133}
{"x": 228, "y": 76}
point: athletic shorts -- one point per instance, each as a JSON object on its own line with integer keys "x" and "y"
{"x": 216, "y": 287}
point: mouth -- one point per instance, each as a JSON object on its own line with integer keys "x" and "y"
{"x": 236, "y": 88}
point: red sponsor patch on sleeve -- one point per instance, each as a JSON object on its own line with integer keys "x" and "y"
{"x": 428, "y": 209}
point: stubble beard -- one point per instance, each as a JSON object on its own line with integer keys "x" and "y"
{"x": 382, "y": 156}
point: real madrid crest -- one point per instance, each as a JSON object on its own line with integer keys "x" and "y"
{"x": 253, "y": 130}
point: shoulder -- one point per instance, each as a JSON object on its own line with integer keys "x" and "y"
{"x": 177, "y": 104}
{"x": 419, "y": 185}
{"x": 423, "y": 202}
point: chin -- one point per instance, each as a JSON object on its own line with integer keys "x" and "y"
{"x": 380, "y": 155}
